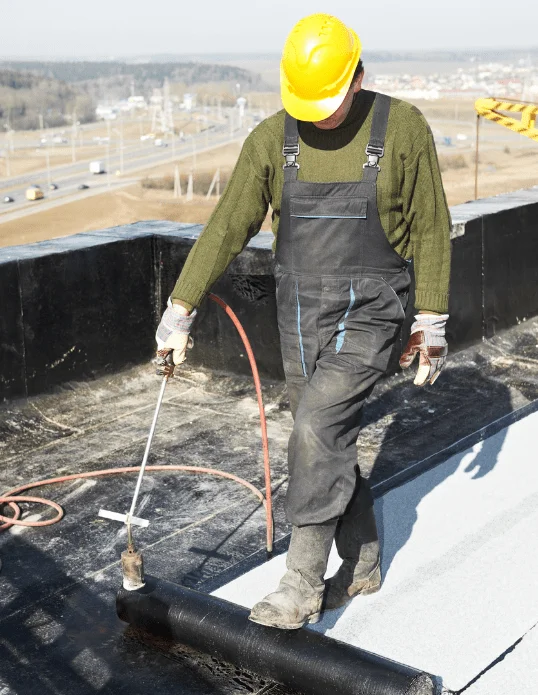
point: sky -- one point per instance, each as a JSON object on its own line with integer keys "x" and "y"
{"x": 107, "y": 28}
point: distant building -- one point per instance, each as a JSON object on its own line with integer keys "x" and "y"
{"x": 137, "y": 102}
{"x": 105, "y": 112}
{"x": 189, "y": 101}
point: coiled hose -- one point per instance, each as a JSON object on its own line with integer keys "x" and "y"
{"x": 13, "y": 497}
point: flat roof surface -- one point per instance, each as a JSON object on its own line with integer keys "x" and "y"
{"x": 58, "y": 628}
{"x": 456, "y": 568}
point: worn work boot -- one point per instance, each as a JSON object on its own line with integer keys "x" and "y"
{"x": 358, "y": 545}
{"x": 299, "y": 595}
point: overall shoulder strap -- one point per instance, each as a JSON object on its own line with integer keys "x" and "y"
{"x": 376, "y": 145}
{"x": 291, "y": 148}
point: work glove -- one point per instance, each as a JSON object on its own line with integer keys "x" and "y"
{"x": 428, "y": 339}
{"x": 173, "y": 331}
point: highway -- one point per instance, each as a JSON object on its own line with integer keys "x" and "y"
{"x": 136, "y": 158}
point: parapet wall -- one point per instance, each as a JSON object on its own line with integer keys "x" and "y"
{"x": 78, "y": 306}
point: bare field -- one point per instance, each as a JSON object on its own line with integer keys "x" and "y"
{"x": 498, "y": 172}
{"x": 101, "y": 211}
{"x": 446, "y": 109}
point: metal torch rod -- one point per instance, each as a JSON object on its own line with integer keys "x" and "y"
{"x": 146, "y": 454}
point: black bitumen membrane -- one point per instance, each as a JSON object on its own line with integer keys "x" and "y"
{"x": 58, "y": 628}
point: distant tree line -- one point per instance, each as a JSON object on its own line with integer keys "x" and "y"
{"x": 56, "y": 89}
{"x": 25, "y": 96}
{"x": 143, "y": 73}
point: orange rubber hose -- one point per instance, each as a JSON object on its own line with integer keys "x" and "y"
{"x": 263, "y": 422}
{"x": 12, "y": 497}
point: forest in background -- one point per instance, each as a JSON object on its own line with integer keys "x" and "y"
{"x": 56, "y": 90}
{"x": 24, "y": 96}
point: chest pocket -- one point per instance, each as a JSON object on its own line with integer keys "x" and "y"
{"x": 344, "y": 207}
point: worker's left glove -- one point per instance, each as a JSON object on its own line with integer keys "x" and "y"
{"x": 173, "y": 331}
{"x": 428, "y": 339}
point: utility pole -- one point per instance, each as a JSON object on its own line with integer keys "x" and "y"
{"x": 74, "y": 138}
{"x": 48, "y": 164}
{"x": 177, "y": 183}
{"x": 121, "y": 145}
{"x": 214, "y": 181}
{"x": 8, "y": 164}
{"x": 193, "y": 152}
{"x": 190, "y": 187}
{"x": 476, "y": 158}
{"x": 108, "y": 154}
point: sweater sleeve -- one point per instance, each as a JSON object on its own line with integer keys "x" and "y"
{"x": 428, "y": 217}
{"x": 237, "y": 217}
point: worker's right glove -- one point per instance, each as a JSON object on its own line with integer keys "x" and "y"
{"x": 173, "y": 331}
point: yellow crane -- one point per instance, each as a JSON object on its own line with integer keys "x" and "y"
{"x": 526, "y": 125}
{"x": 490, "y": 108}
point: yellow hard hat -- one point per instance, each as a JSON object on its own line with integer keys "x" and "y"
{"x": 318, "y": 61}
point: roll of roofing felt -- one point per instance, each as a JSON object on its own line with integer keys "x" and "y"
{"x": 300, "y": 659}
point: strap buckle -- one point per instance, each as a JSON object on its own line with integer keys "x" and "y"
{"x": 291, "y": 153}
{"x": 374, "y": 153}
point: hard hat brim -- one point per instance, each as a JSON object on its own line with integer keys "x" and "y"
{"x": 316, "y": 109}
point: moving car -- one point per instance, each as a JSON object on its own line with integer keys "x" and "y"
{"x": 83, "y": 187}
{"x": 96, "y": 167}
{"x": 34, "y": 193}
{"x": 7, "y": 199}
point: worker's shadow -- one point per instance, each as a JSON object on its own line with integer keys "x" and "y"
{"x": 396, "y": 524}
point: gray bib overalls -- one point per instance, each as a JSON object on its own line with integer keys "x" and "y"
{"x": 341, "y": 297}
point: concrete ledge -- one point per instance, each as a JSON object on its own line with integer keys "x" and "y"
{"x": 82, "y": 305}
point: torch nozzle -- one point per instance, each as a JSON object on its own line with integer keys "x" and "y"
{"x": 132, "y": 565}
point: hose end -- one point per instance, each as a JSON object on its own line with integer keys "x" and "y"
{"x": 132, "y": 565}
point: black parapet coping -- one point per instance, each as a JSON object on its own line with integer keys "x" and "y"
{"x": 465, "y": 305}
{"x": 78, "y": 306}
{"x": 510, "y": 267}
{"x": 497, "y": 236}
{"x": 12, "y": 365}
{"x": 73, "y": 319}
{"x": 73, "y": 296}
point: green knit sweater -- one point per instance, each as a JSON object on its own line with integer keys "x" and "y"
{"x": 411, "y": 200}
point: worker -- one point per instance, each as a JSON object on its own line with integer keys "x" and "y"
{"x": 354, "y": 184}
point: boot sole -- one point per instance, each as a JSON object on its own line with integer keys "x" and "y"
{"x": 314, "y": 618}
